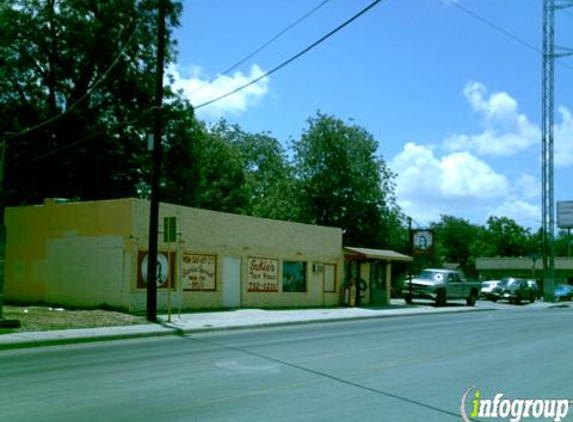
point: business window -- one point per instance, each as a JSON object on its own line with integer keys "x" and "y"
{"x": 294, "y": 276}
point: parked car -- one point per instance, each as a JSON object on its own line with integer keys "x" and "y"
{"x": 440, "y": 285}
{"x": 487, "y": 287}
{"x": 535, "y": 287}
{"x": 514, "y": 290}
{"x": 563, "y": 292}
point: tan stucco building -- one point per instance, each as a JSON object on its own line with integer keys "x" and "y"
{"x": 91, "y": 254}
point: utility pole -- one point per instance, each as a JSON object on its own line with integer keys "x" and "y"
{"x": 547, "y": 209}
{"x": 156, "y": 168}
{"x": 547, "y": 143}
{"x": 4, "y": 323}
{"x": 2, "y": 224}
{"x": 411, "y": 247}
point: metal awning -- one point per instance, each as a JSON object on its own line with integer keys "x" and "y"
{"x": 381, "y": 254}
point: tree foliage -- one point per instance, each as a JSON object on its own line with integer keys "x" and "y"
{"x": 461, "y": 242}
{"x": 76, "y": 91}
{"x": 270, "y": 182}
{"x": 344, "y": 183}
{"x": 507, "y": 238}
{"x": 455, "y": 240}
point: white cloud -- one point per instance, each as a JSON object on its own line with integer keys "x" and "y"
{"x": 428, "y": 186}
{"x": 462, "y": 182}
{"x": 527, "y": 187}
{"x": 563, "y": 153}
{"x": 505, "y": 133}
{"x": 524, "y": 213}
{"x": 196, "y": 88}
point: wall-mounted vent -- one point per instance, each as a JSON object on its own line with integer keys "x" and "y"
{"x": 317, "y": 268}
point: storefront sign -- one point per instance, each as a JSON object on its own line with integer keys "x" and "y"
{"x": 198, "y": 272}
{"x": 565, "y": 214}
{"x": 422, "y": 242}
{"x": 263, "y": 275}
{"x": 165, "y": 269}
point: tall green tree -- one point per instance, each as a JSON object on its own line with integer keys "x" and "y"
{"x": 345, "y": 183}
{"x": 563, "y": 245}
{"x": 508, "y": 239}
{"x": 184, "y": 156}
{"x": 220, "y": 171}
{"x": 76, "y": 95}
{"x": 269, "y": 177}
{"x": 455, "y": 238}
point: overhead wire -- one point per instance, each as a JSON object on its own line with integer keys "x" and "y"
{"x": 65, "y": 147}
{"x": 263, "y": 46}
{"x": 88, "y": 92}
{"x": 293, "y": 58}
{"x": 502, "y": 31}
{"x": 313, "y": 45}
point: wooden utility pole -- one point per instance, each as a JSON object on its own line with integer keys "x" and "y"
{"x": 156, "y": 171}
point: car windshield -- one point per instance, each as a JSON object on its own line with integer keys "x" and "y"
{"x": 507, "y": 282}
{"x": 431, "y": 275}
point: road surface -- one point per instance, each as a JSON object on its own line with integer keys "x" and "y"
{"x": 390, "y": 369}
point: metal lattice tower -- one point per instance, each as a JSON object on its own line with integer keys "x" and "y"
{"x": 547, "y": 179}
{"x": 547, "y": 193}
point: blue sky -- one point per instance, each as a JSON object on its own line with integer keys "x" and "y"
{"x": 454, "y": 103}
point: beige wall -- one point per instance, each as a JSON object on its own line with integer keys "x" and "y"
{"x": 70, "y": 254}
{"x": 243, "y": 237}
{"x": 86, "y": 254}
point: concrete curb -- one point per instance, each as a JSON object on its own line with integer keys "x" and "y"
{"x": 64, "y": 337}
{"x": 163, "y": 328}
{"x": 201, "y": 330}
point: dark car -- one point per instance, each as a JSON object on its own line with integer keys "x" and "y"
{"x": 563, "y": 292}
{"x": 514, "y": 290}
{"x": 535, "y": 287}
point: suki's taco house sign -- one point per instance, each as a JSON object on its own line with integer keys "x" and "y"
{"x": 263, "y": 275}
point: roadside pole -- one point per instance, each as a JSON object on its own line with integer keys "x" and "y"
{"x": 411, "y": 241}
{"x": 4, "y": 323}
{"x": 169, "y": 278}
{"x": 154, "y": 202}
{"x": 2, "y": 226}
{"x": 169, "y": 236}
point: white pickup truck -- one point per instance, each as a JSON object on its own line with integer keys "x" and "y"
{"x": 440, "y": 285}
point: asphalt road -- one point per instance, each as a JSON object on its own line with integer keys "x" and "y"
{"x": 392, "y": 369}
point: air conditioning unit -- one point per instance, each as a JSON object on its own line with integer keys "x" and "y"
{"x": 317, "y": 268}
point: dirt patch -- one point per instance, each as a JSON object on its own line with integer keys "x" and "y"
{"x": 40, "y": 318}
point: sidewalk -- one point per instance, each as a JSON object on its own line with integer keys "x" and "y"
{"x": 226, "y": 320}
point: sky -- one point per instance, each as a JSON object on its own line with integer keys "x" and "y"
{"x": 451, "y": 90}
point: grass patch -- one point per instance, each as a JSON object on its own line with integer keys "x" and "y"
{"x": 45, "y": 318}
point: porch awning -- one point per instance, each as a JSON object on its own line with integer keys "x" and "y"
{"x": 381, "y": 254}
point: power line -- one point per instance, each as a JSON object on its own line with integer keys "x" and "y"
{"x": 494, "y": 26}
{"x": 85, "y": 95}
{"x": 501, "y": 30}
{"x": 293, "y": 58}
{"x": 65, "y": 147}
{"x": 263, "y": 46}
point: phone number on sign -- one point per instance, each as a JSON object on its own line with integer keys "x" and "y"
{"x": 263, "y": 287}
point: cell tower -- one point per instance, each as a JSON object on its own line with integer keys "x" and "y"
{"x": 547, "y": 182}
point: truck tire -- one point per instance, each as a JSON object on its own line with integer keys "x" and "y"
{"x": 471, "y": 300}
{"x": 441, "y": 298}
